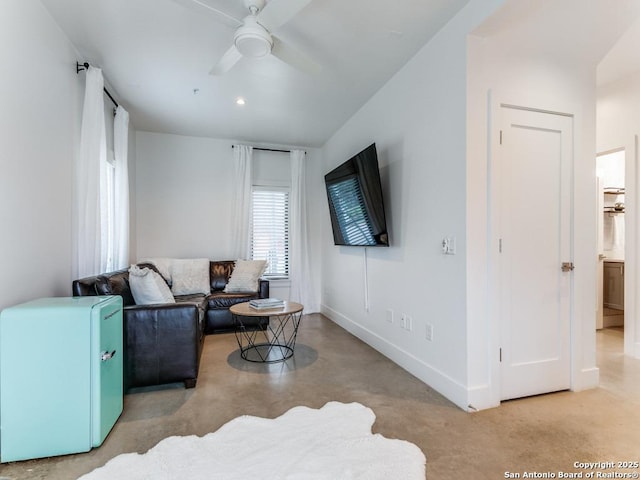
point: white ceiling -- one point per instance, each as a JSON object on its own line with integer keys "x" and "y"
{"x": 155, "y": 53}
{"x": 590, "y": 33}
{"x": 623, "y": 60}
{"x": 597, "y": 33}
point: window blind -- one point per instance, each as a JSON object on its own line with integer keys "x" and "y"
{"x": 270, "y": 230}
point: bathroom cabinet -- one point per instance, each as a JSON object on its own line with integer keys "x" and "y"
{"x": 614, "y": 284}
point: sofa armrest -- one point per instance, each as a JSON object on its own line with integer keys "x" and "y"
{"x": 263, "y": 288}
{"x": 84, "y": 287}
{"x": 162, "y": 343}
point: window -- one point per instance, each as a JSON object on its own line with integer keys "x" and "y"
{"x": 270, "y": 229}
{"x": 107, "y": 211}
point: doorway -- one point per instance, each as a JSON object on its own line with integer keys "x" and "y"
{"x": 610, "y": 170}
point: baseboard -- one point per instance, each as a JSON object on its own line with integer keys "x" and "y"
{"x": 481, "y": 397}
{"x": 587, "y": 378}
{"x": 440, "y": 382}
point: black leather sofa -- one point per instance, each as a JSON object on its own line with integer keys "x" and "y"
{"x": 163, "y": 342}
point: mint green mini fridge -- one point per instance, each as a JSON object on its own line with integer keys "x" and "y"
{"x": 61, "y": 386}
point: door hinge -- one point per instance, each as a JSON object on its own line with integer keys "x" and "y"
{"x": 500, "y": 354}
{"x": 568, "y": 266}
{"x": 499, "y": 245}
{"x": 500, "y": 137}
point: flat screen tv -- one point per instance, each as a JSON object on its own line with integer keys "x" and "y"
{"x": 355, "y": 201}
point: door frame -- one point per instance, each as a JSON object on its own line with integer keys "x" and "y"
{"x": 600, "y": 234}
{"x": 632, "y": 245}
{"x": 631, "y": 146}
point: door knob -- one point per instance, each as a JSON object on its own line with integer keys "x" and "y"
{"x": 107, "y": 356}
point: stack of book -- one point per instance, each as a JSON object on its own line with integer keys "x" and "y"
{"x": 266, "y": 303}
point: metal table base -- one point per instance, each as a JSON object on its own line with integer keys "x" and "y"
{"x": 275, "y": 343}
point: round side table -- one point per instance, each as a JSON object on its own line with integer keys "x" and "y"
{"x": 276, "y": 342}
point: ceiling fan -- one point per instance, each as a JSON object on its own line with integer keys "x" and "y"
{"x": 253, "y": 37}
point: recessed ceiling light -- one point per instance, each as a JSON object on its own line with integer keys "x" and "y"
{"x": 240, "y": 101}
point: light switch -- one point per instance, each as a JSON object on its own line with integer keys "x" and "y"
{"x": 449, "y": 245}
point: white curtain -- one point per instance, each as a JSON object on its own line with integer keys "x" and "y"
{"x": 299, "y": 261}
{"x": 121, "y": 189}
{"x": 241, "y": 220}
{"x": 93, "y": 154}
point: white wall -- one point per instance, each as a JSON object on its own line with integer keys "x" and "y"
{"x": 618, "y": 115}
{"x": 618, "y": 125}
{"x": 418, "y": 121}
{"x": 184, "y": 189}
{"x": 39, "y": 135}
{"x": 183, "y": 195}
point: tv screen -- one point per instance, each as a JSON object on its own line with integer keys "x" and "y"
{"x": 355, "y": 201}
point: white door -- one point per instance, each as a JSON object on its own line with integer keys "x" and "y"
{"x": 535, "y": 165}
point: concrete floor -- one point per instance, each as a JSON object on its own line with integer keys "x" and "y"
{"x": 541, "y": 434}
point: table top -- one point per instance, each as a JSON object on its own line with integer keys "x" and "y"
{"x": 246, "y": 311}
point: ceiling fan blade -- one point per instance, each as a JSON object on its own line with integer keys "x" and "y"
{"x": 204, "y": 7}
{"x": 294, "y": 58}
{"x": 228, "y": 60}
{"x": 279, "y": 12}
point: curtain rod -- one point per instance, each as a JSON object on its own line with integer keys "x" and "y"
{"x": 85, "y": 66}
{"x": 269, "y": 149}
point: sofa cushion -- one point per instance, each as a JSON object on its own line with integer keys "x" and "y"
{"x": 226, "y": 300}
{"x": 197, "y": 298}
{"x": 148, "y": 287}
{"x": 190, "y": 275}
{"x": 245, "y": 276}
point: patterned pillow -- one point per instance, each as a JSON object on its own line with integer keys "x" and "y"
{"x": 245, "y": 276}
{"x": 189, "y": 276}
{"x": 148, "y": 287}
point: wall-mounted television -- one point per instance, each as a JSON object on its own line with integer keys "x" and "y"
{"x": 355, "y": 201}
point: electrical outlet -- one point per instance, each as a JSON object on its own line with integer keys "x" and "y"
{"x": 429, "y": 332}
{"x": 389, "y": 315}
{"x": 406, "y": 322}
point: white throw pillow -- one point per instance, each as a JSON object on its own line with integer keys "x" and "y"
{"x": 162, "y": 264}
{"x": 189, "y": 276}
{"x": 245, "y": 276}
{"x": 148, "y": 287}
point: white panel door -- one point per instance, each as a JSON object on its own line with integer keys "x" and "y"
{"x": 535, "y": 166}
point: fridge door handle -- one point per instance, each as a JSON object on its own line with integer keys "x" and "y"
{"x": 104, "y": 356}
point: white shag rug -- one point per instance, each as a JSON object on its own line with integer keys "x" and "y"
{"x": 333, "y": 443}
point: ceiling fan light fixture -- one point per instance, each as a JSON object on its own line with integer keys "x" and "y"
{"x": 252, "y": 40}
